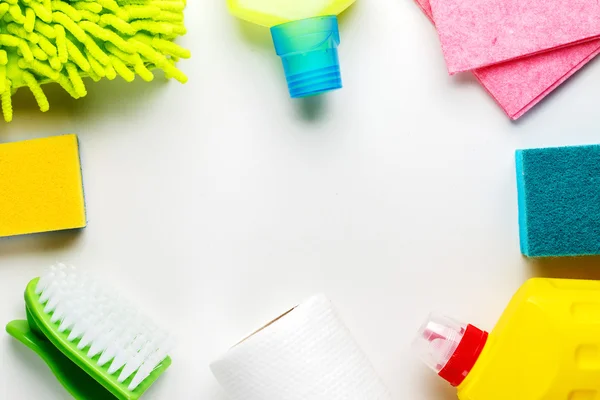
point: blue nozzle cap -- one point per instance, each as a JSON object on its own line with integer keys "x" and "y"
{"x": 308, "y": 50}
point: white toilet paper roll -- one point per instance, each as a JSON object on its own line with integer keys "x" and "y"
{"x": 306, "y": 354}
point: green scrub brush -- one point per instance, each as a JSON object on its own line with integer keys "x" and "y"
{"x": 98, "y": 347}
{"x": 61, "y": 41}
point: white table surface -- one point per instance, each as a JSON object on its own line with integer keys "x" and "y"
{"x": 218, "y": 204}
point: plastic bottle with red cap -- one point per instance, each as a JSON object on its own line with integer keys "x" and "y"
{"x": 545, "y": 346}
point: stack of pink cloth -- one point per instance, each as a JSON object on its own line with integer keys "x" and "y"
{"x": 520, "y": 50}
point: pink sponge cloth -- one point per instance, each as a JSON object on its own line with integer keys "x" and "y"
{"x": 519, "y": 85}
{"x": 480, "y": 33}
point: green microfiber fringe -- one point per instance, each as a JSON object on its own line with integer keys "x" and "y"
{"x": 60, "y": 41}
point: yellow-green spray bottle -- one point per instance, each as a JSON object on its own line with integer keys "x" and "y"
{"x": 306, "y": 37}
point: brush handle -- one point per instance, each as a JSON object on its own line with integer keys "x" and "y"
{"x": 76, "y": 381}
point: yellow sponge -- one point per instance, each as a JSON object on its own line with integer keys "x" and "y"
{"x": 41, "y": 187}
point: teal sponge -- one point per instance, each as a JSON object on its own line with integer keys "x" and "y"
{"x": 559, "y": 201}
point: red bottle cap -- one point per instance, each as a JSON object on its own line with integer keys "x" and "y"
{"x": 449, "y": 347}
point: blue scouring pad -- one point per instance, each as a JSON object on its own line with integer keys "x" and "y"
{"x": 559, "y": 201}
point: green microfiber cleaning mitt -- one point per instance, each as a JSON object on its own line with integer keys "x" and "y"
{"x": 61, "y": 41}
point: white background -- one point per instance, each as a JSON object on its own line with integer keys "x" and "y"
{"x": 218, "y": 204}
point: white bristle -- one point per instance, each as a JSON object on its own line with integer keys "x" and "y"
{"x": 98, "y": 320}
{"x": 152, "y": 360}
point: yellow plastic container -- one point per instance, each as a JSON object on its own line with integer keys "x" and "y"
{"x": 306, "y": 37}
{"x": 546, "y": 346}
{"x": 270, "y": 13}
